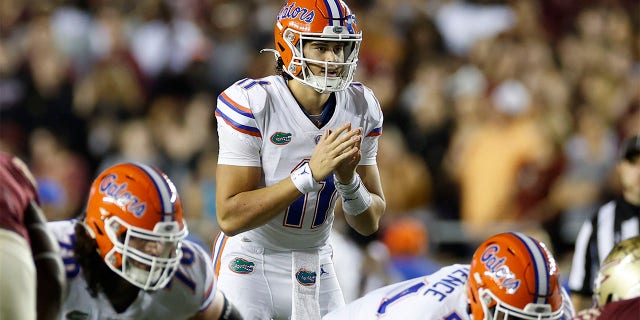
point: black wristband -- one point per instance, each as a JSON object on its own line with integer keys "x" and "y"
{"x": 229, "y": 312}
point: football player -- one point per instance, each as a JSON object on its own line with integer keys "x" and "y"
{"x": 616, "y": 290}
{"x": 32, "y": 281}
{"x": 128, "y": 257}
{"x": 295, "y": 149}
{"x": 511, "y": 276}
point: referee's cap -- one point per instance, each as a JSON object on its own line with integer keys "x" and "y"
{"x": 630, "y": 148}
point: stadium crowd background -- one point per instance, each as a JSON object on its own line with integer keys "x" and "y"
{"x": 499, "y": 115}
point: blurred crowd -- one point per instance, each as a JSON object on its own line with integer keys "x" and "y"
{"x": 499, "y": 115}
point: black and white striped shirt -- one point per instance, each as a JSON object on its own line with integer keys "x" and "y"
{"x": 615, "y": 221}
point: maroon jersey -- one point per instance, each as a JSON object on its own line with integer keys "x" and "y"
{"x": 628, "y": 309}
{"x": 17, "y": 189}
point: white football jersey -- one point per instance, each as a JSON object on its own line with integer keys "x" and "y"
{"x": 261, "y": 124}
{"x": 191, "y": 290}
{"x": 439, "y": 296}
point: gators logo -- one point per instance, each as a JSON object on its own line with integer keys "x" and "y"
{"x": 241, "y": 266}
{"x": 498, "y": 269}
{"x": 281, "y": 138}
{"x": 306, "y": 277}
{"x": 120, "y": 195}
{"x": 294, "y": 11}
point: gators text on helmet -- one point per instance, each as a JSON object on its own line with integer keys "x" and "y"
{"x": 513, "y": 275}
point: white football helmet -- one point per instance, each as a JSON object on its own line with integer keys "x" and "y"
{"x": 619, "y": 275}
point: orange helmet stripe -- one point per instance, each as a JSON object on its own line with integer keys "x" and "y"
{"x": 166, "y": 191}
{"x": 541, "y": 270}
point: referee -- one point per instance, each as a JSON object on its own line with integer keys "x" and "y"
{"x": 613, "y": 222}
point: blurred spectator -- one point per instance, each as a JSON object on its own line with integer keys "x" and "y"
{"x": 490, "y": 160}
{"x": 361, "y": 263}
{"x": 430, "y": 122}
{"x": 408, "y": 242}
{"x": 134, "y": 142}
{"x": 462, "y": 23}
{"x": 163, "y": 42}
{"x": 413, "y": 191}
{"x": 589, "y": 156}
{"x": 199, "y": 190}
{"x": 64, "y": 173}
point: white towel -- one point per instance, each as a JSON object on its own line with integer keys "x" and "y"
{"x": 306, "y": 287}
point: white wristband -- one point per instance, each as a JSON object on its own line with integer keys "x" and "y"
{"x": 303, "y": 179}
{"x": 355, "y": 196}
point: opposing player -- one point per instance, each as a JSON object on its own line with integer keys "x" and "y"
{"x": 32, "y": 281}
{"x": 128, "y": 258}
{"x": 616, "y": 290}
{"x": 292, "y": 145}
{"x": 511, "y": 276}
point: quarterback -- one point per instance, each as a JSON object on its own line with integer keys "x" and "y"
{"x": 511, "y": 276}
{"x": 128, "y": 258}
{"x": 295, "y": 149}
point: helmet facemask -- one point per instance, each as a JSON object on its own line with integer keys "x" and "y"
{"x": 147, "y": 259}
{"x": 494, "y": 309}
{"x": 299, "y": 69}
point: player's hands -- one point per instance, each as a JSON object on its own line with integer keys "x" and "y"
{"x": 345, "y": 170}
{"x": 588, "y": 314}
{"x": 336, "y": 150}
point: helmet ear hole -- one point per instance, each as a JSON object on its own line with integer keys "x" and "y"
{"x": 88, "y": 230}
{"x": 609, "y": 298}
{"x": 477, "y": 277}
{"x": 97, "y": 229}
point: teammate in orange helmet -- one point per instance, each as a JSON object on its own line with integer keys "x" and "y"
{"x": 511, "y": 276}
{"x": 296, "y": 149}
{"x": 129, "y": 259}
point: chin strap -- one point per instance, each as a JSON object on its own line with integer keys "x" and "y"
{"x": 88, "y": 229}
{"x": 274, "y": 51}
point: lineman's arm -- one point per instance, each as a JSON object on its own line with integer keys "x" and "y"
{"x": 51, "y": 276}
{"x": 220, "y": 309}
